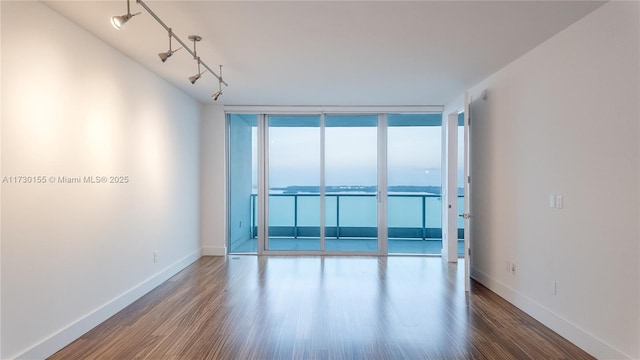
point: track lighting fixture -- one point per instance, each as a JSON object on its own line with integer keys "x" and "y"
{"x": 120, "y": 20}
{"x": 165, "y": 55}
{"x": 195, "y": 39}
{"x": 219, "y": 92}
{"x": 195, "y": 77}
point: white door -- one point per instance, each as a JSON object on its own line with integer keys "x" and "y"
{"x": 467, "y": 191}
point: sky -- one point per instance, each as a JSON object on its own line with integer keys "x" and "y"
{"x": 413, "y": 155}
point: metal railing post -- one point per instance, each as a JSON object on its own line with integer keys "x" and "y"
{"x": 424, "y": 217}
{"x": 295, "y": 216}
{"x": 337, "y": 216}
{"x": 253, "y": 216}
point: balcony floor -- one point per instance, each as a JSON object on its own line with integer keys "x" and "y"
{"x": 396, "y": 246}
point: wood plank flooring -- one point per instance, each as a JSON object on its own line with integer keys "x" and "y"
{"x": 249, "y": 307}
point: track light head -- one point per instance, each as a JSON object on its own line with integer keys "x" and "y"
{"x": 119, "y": 20}
{"x": 194, "y": 78}
{"x": 167, "y": 54}
{"x": 216, "y": 95}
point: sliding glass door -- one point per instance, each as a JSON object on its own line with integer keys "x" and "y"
{"x": 322, "y": 162}
{"x": 243, "y": 184}
{"x": 414, "y": 179}
{"x": 294, "y": 167}
{"x": 330, "y": 183}
{"x": 351, "y": 186}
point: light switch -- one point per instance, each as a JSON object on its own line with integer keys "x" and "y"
{"x": 559, "y": 201}
{"x": 552, "y": 201}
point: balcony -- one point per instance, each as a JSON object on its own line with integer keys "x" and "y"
{"x": 414, "y": 222}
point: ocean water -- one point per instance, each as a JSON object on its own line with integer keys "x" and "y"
{"x": 358, "y": 210}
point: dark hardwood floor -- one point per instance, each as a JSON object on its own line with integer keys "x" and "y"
{"x": 249, "y": 307}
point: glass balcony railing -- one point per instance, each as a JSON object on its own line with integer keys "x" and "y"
{"x": 409, "y": 217}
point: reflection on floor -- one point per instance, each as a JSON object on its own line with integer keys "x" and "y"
{"x": 396, "y": 246}
{"x": 320, "y": 307}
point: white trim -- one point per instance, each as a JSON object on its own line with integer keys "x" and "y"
{"x": 0, "y": 192}
{"x": 467, "y": 189}
{"x": 323, "y": 205}
{"x": 71, "y": 332}
{"x": 282, "y": 110}
{"x": 578, "y": 336}
{"x": 227, "y": 186}
{"x": 381, "y": 170}
{"x": 449, "y": 191}
{"x": 263, "y": 183}
{"x": 214, "y": 251}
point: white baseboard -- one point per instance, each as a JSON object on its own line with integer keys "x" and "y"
{"x": 71, "y": 332}
{"x": 214, "y": 251}
{"x": 578, "y": 336}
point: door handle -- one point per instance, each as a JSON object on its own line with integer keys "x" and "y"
{"x": 465, "y": 216}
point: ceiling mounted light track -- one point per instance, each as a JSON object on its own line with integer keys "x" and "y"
{"x": 119, "y": 21}
{"x": 167, "y": 54}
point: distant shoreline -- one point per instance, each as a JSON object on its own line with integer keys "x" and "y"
{"x": 361, "y": 189}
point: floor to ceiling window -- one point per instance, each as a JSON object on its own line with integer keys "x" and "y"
{"x": 294, "y": 183}
{"x": 243, "y": 184}
{"x": 351, "y": 171}
{"x": 336, "y": 183}
{"x": 414, "y": 179}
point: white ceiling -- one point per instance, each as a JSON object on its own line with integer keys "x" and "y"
{"x": 332, "y": 53}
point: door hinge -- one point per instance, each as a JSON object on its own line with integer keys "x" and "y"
{"x": 469, "y": 179}
{"x": 469, "y": 251}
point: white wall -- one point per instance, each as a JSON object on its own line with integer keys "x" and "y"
{"x": 563, "y": 119}
{"x": 74, "y": 254}
{"x": 213, "y": 206}
{"x": 0, "y": 187}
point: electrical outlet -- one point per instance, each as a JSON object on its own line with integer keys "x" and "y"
{"x": 513, "y": 269}
{"x": 156, "y": 256}
{"x": 553, "y": 287}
